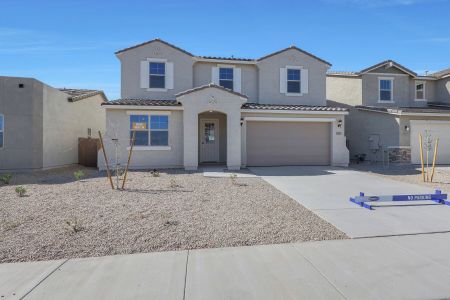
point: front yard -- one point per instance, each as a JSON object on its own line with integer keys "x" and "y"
{"x": 60, "y": 217}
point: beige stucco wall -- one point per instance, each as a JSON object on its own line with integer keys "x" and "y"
{"x": 269, "y": 79}
{"x": 118, "y": 126}
{"x": 362, "y": 124}
{"x": 22, "y": 111}
{"x": 405, "y": 135}
{"x": 345, "y": 90}
{"x": 130, "y": 70}
{"x": 249, "y": 77}
{"x": 216, "y": 100}
{"x": 64, "y": 122}
{"x": 443, "y": 90}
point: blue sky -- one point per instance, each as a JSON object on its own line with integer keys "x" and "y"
{"x": 68, "y": 43}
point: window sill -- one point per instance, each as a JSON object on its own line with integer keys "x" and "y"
{"x": 420, "y": 100}
{"x": 150, "y": 148}
{"x": 294, "y": 94}
{"x": 382, "y": 101}
{"x": 156, "y": 90}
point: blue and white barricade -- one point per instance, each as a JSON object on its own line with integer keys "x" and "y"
{"x": 364, "y": 201}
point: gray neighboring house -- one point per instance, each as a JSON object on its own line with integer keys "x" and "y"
{"x": 389, "y": 106}
{"x": 187, "y": 110}
{"x": 40, "y": 125}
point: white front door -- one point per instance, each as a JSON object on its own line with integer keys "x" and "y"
{"x": 209, "y": 140}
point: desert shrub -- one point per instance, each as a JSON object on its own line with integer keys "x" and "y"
{"x": 155, "y": 173}
{"x": 233, "y": 178}
{"x": 21, "y": 191}
{"x": 9, "y": 225}
{"x": 5, "y": 178}
{"x": 173, "y": 184}
{"x": 79, "y": 174}
{"x": 73, "y": 225}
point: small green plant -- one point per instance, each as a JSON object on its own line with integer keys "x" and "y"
{"x": 79, "y": 174}
{"x": 10, "y": 225}
{"x": 233, "y": 178}
{"x": 21, "y": 191}
{"x": 155, "y": 173}
{"x": 173, "y": 184}
{"x": 73, "y": 225}
{"x": 5, "y": 178}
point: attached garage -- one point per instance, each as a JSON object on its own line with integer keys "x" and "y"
{"x": 275, "y": 143}
{"x": 436, "y": 129}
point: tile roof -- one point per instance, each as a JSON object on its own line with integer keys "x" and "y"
{"x": 152, "y": 41}
{"x": 211, "y": 85}
{"x": 295, "y": 48}
{"x": 342, "y": 73}
{"x": 143, "y": 102}
{"x": 226, "y": 58}
{"x": 79, "y": 94}
{"x": 393, "y": 63}
{"x": 399, "y": 110}
{"x": 440, "y": 74}
{"x": 291, "y": 107}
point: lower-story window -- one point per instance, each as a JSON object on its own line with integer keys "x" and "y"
{"x": 157, "y": 134}
{"x": 2, "y": 130}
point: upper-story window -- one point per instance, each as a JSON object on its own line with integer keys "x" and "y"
{"x": 293, "y": 81}
{"x": 226, "y": 78}
{"x": 420, "y": 90}
{"x": 2, "y": 130}
{"x": 157, "y": 75}
{"x": 385, "y": 90}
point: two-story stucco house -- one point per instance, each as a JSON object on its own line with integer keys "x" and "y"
{"x": 389, "y": 106}
{"x": 186, "y": 110}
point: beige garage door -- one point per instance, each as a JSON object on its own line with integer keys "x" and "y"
{"x": 288, "y": 143}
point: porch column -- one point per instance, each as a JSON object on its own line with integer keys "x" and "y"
{"x": 190, "y": 139}
{"x": 234, "y": 139}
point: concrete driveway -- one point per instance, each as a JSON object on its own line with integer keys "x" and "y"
{"x": 326, "y": 191}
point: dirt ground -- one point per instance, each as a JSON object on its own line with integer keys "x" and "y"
{"x": 409, "y": 173}
{"x": 60, "y": 217}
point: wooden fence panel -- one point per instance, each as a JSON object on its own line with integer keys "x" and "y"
{"x": 87, "y": 151}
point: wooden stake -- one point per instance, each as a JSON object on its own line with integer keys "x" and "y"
{"x": 434, "y": 159}
{"x": 129, "y": 158}
{"x": 421, "y": 156}
{"x": 106, "y": 159}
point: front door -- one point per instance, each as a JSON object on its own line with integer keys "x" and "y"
{"x": 209, "y": 141}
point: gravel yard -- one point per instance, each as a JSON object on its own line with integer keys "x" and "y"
{"x": 60, "y": 217}
{"x": 408, "y": 173}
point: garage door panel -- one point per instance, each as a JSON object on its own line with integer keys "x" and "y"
{"x": 288, "y": 143}
{"x": 436, "y": 129}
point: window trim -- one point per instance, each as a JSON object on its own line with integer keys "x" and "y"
{"x": 2, "y": 130}
{"x": 300, "y": 68}
{"x": 416, "y": 83}
{"x": 232, "y": 80}
{"x": 157, "y": 60}
{"x": 391, "y": 79}
{"x": 149, "y": 114}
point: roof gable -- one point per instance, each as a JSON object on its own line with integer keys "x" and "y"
{"x": 441, "y": 74}
{"x": 293, "y": 48}
{"x": 389, "y": 64}
{"x": 152, "y": 41}
{"x": 211, "y": 85}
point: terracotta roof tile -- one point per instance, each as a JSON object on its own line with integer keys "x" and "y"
{"x": 291, "y": 107}
{"x": 143, "y": 102}
{"x": 211, "y": 85}
{"x": 79, "y": 94}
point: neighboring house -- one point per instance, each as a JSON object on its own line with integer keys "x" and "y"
{"x": 40, "y": 125}
{"x": 389, "y": 106}
{"x": 187, "y": 110}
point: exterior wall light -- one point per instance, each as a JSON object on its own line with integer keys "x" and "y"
{"x": 339, "y": 123}
{"x": 242, "y": 121}
{"x": 406, "y": 128}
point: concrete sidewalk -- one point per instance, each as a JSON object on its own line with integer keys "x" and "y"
{"x": 412, "y": 267}
{"x": 326, "y": 192}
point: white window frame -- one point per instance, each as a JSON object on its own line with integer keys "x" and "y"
{"x": 149, "y": 114}
{"x": 287, "y": 80}
{"x": 157, "y": 60}
{"x": 391, "y": 79}
{"x": 424, "y": 90}
{"x": 2, "y": 130}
